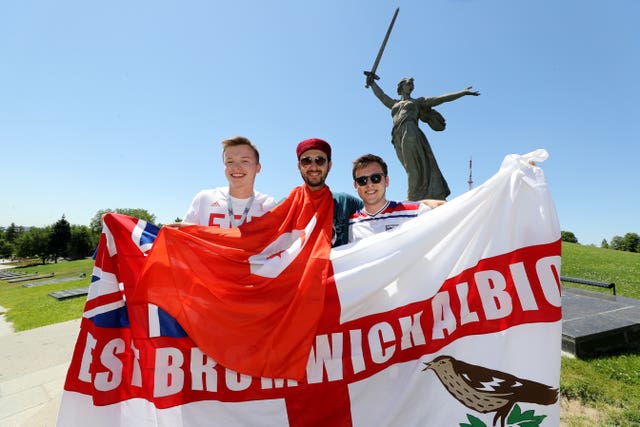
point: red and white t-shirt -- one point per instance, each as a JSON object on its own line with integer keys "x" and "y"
{"x": 364, "y": 224}
{"x": 216, "y": 208}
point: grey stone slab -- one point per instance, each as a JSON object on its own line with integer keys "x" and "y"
{"x": 579, "y": 307}
{"x": 69, "y": 293}
{"x": 30, "y": 277}
{"x": 596, "y": 323}
{"x": 53, "y": 281}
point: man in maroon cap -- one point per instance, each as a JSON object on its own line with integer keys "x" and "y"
{"x": 314, "y": 164}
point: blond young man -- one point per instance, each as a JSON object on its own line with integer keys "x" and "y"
{"x": 238, "y": 203}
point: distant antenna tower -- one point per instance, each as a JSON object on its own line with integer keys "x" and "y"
{"x": 470, "y": 182}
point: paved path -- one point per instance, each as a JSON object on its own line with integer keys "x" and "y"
{"x": 33, "y": 367}
{"x": 5, "y": 327}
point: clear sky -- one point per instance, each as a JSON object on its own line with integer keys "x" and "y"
{"x": 123, "y": 104}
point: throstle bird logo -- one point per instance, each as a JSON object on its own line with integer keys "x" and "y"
{"x": 486, "y": 390}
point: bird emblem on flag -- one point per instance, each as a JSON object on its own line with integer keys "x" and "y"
{"x": 487, "y": 390}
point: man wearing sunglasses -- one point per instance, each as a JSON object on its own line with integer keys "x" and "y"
{"x": 370, "y": 180}
{"x": 314, "y": 164}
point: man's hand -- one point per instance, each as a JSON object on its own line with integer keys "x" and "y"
{"x": 433, "y": 203}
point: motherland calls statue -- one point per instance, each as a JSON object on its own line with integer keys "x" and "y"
{"x": 412, "y": 147}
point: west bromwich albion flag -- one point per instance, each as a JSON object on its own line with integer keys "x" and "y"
{"x": 453, "y": 318}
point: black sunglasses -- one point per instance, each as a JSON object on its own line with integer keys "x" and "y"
{"x": 306, "y": 161}
{"x": 376, "y": 178}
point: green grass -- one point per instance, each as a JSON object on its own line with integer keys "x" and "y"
{"x": 29, "y": 308}
{"x": 608, "y": 384}
{"x": 605, "y": 265}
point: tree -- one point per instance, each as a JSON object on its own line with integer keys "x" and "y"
{"x": 631, "y": 242}
{"x": 12, "y": 233}
{"x": 604, "y": 244}
{"x": 6, "y": 248}
{"x": 59, "y": 238}
{"x": 568, "y": 236}
{"x": 34, "y": 243}
{"x": 617, "y": 243}
{"x": 81, "y": 243}
{"x": 96, "y": 222}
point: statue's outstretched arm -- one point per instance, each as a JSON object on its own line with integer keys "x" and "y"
{"x": 448, "y": 97}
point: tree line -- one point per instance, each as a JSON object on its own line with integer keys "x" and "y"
{"x": 64, "y": 240}
{"x": 630, "y": 242}
{"x": 60, "y": 239}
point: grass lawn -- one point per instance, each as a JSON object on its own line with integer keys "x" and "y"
{"x": 605, "y": 265}
{"x": 610, "y": 384}
{"x": 604, "y": 391}
{"x": 32, "y": 307}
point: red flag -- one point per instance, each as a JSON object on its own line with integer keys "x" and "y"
{"x": 249, "y": 298}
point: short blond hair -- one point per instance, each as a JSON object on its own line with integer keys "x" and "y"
{"x": 240, "y": 140}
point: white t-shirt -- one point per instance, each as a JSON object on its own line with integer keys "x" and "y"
{"x": 362, "y": 224}
{"x": 211, "y": 207}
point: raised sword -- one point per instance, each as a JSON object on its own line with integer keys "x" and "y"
{"x": 372, "y": 73}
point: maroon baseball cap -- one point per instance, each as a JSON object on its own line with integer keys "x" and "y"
{"x": 314, "y": 144}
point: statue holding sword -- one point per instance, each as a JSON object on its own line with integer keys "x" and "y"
{"x": 425, "y": 180}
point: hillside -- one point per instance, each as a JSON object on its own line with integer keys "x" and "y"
{"x": 606, "y": 265}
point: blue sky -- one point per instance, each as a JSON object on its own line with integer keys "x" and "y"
{"x": 123, "y": 104}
